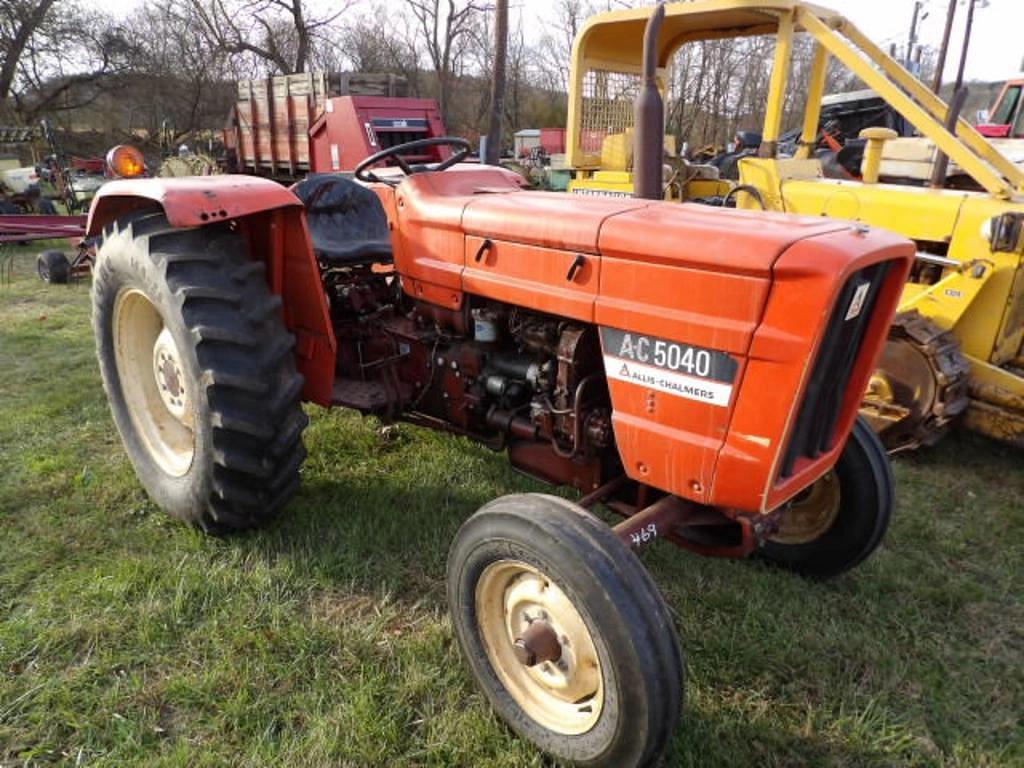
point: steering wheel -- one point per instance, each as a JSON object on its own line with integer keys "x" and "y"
{"x": 461, "y": 146}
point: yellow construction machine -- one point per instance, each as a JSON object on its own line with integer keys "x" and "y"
{"x": 956, "y": 349}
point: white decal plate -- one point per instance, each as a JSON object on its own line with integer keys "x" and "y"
{"x": 670, "y": 382}
{"x": 857, "y": 303}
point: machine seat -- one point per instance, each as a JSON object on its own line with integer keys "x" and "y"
{"x": 346, "y": 221}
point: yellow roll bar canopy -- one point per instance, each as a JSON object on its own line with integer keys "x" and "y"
{"x": 606, "y": 64}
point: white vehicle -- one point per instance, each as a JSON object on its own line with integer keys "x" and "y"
{"x": 19, "y": 180}
{"x": 86, "y": 184}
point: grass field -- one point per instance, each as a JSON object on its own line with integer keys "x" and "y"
{"x": 128, "y": 639}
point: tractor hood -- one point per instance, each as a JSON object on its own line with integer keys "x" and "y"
{"x": 699, "y": 236}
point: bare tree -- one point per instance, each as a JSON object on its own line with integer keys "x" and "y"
{"x": 721, "y": 86}
{"x": 443, "y": 27}
{"x": 554, "y": 48}
{"x": 58, "y": 56}
{"x": 376, "y": 42}
{"x": 19, "y": 21}
{"x": 279, "y": 35}
{"x": 520, "y": 85}
{"x": 180, "y": 80}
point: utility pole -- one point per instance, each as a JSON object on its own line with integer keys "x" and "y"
{"x": 912, "y": 39}
{"x": 967, "y": 43}
{"x": 940, "y": 65}
{"x": 498, "y": 83}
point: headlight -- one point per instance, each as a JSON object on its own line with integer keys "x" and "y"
{"x": 1004, "y": 232}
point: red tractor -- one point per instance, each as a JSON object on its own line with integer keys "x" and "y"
{"x": 696, "y": 370}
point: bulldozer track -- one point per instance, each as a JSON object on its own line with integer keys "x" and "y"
{"x": 950, "y": 371}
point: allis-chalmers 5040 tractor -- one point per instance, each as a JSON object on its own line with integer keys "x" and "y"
{"x": 956, "y": 348}
{"x": 696, "y": 370}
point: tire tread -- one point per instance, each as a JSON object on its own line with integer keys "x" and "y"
{"x": 542, "y": 520}
{"x": 248, "y": 373}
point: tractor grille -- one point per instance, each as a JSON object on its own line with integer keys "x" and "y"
{"x": 392, "y": 131}
{"x": 815, "y": 430}
{"x": 394, "y": 138}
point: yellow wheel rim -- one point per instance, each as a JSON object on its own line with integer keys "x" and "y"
{"x": 811, "y": 514}
{"x": 880, "y": 388}
{"x": 564, "y": 696}
{"x": 156, "y": 391}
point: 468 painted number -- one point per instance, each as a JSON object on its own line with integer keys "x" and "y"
{"x": 648, "y": 533}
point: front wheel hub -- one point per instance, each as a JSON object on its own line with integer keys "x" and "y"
{"x": 811, "y": 514}
{"x": 540, "y": 647}
{"x": 169, "y": 377}
{"x": 538, "y": 644}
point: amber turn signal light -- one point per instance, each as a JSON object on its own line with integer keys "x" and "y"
{"x": 125, "y": 162}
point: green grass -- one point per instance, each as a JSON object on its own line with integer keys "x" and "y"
{"x": 128, "y": 639}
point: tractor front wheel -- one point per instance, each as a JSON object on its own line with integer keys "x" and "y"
{"x": 199, "y": 371}
{"x": 565, "y": 632}
{"x": 840, "y": 520}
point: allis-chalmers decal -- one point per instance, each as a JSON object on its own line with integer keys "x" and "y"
{"x": 705, "y": 375}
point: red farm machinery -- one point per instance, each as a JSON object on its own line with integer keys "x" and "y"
{"x": 289, "y": 126}
{"x": 695, "y": 370}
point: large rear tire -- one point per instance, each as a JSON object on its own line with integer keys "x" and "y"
{"x": 199, "y": 371}
{"x": 565, "y": 632}
{"x": 839, "y": 521}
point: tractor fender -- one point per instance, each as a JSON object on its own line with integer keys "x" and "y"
{"x": 190, "y": 201}
{"x": 273, "y": 221}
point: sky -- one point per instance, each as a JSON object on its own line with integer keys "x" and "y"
{"x": 996, "y": 51}
{"x": 997, "y": 43}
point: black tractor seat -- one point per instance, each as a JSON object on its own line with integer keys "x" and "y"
{"x": 346, "y": 221}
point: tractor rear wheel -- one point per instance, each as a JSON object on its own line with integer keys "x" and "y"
{"x": 53, "y": 267}
{"x": 839, "y": 521}
{"x": 565, "y": 632}
{"x": 199, "y": 371}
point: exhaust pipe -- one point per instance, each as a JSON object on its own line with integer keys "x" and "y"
{"x": 649, "y": 118}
